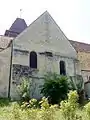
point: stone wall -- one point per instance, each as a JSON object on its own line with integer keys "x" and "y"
{"x": 5, "y": 57}
{"x": 45, "y": 64}
{"x": 84, "y": 58}
{"x": 86, "y": 75}
{"x": 43, "y": 35}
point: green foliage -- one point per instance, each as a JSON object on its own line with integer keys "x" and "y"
{"x": 55, "y": 87}
{"x": 73, "y": 98}
{"x": 47, "y": 111}
{"x": 44, "y": 103}
{"x": 31, "y": 114}
{"x": 68, "y": 107}
{"x": 87, "y": 109}
{"x": 24, "y": 89}
{"x": 33, "y": 103}
{"x": 15, "y": 112}
{"x": 76, "y": 83}
{"x": 68, "y": 110}
{"x": 4, "y": 102}
{"x": 47, "y": 114}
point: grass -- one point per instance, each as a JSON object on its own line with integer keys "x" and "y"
{"x": 4, "y": 102}
{"x": 12, "y": 111}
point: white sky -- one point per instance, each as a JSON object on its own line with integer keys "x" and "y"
{"x": 73, "y": 16}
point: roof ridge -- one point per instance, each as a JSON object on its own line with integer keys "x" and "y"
{"x": 80, "y": 46}
{"x": 80, "y": 42}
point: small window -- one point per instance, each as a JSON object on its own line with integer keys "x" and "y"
{"x": 62, "y": 68}
{"x": 33, "y": 59}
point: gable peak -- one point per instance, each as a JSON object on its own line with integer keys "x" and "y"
{"x": 46, "y": 13}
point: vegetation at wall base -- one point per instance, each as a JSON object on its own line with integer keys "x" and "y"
{"x": 23, "y": 89}
{"x": 77, "y": 83}
{"x": 55, "y": 87}
{"x": 68, "y": 109}
{"x": 60, "y": 102}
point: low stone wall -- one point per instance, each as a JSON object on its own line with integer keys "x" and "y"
{"x": 18, "y": 73}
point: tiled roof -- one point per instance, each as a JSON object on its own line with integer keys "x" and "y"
{"x": 10, "y": 33}
{"x": 5, "y": 42}
{"x": 79, "y": 46}
{"x": 17, "y": 27}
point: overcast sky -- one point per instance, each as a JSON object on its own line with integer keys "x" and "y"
{"x": 73, "y": 16}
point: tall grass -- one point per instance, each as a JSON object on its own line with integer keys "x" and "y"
{"x": 67, "y": 110}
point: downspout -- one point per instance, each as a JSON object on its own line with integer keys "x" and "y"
{"x": 75, "y": 63}
{"x": 9, "y": 86}
{"x": 74, "y": 67}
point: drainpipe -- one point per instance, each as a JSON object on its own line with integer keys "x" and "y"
{"x": 74, "y": 67}
{"x": 9, "y": 87}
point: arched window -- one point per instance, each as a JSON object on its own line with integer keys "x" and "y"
{"x": 33, "y": 59}
{"x": 62, "y": 68}
{"x": 89, "y": 78}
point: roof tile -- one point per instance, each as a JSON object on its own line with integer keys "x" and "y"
{"x": 79, "y": 46}
{"x": 16, "y": 28}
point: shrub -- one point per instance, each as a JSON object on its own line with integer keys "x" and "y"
{"x": 33, "y": 103}
{"x": 47, "y": 111}
{"x": 73, "y": 98}
{"x": 44, "y": 103}
{"x": 87, "y": 109}
{"x": 24, "y": 89}
{"x": 55, "y": 87}
{"x": 68, "y": 107}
